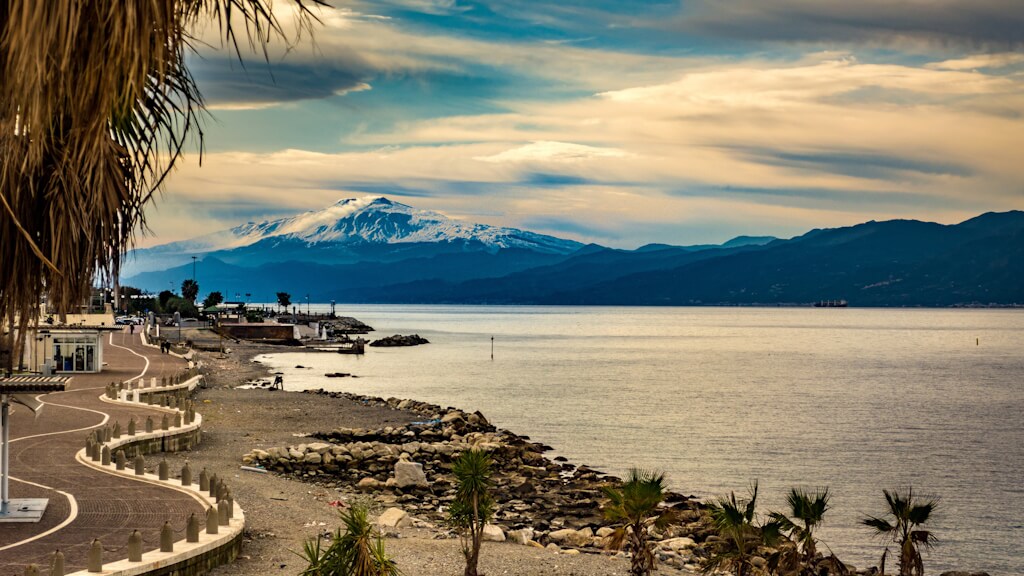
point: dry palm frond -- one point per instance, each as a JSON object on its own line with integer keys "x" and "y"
{"x": 96, "y": 106}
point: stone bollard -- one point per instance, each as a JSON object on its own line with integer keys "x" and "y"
{"x": 149, "y": 399}
{"x": 192, "y": 528}
{"x": 98, "y": 435}
{"x": 204, "y": 480}
{"x": 211, "y": 520}
{"x": 177, "y": 419}
{"x": 31, "y": 570}
{"x": 173, "y": 402}
{"x": 131, "y": 427}
{"x": 163, "y": 381}
{"x": 108, "y": 434}
{"x": 213, "y": 485}
{"x": 191, "y": 416}
{"x": 121, "y": 460}
{"x": 117, "y": 430}
{"x": 140, "y": 465}
{"x": 94, "y": 563}
{"x": 105, "y": 456}
{"x": 135, "y": 547}
{"x": 163, "y": 470}
{"x": 231, "y": 504}
{"x": 186, "y": 475}
{"x": 166, "y": 538}
{"x": 92, "y": 450}
{"x": 164, "y": 423}
{"x": 222, "y": 490}
{"x": 149, "y": 423}
{"x": 57, "y": 564}
{"x": 222, "y": 513}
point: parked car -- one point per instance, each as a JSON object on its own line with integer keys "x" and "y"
{"x": 126, "y": 320}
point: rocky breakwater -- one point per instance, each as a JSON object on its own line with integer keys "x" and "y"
{"x": 540, "y": 502}
{"x": 399, "y": 340}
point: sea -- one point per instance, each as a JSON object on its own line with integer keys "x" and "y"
{"x": 858, "y": 400}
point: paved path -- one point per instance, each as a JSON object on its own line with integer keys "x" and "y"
{"x": 86, "y": 503}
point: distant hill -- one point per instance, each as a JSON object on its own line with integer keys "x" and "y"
{"x": 375, "y": 250}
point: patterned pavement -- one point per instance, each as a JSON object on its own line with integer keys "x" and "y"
{"x": 104, "y": 506}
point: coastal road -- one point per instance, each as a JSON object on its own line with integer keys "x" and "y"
{"x": 87, "y": 503}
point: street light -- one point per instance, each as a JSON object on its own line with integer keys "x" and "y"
{"x": 193, "y": 268}
{"x": 307, "y": 304}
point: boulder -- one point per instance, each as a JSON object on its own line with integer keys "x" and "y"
{"x": 605, "y": 531}
{"x": 369, "y": 483}
{"x": 676, "y": 544}
{"x": 410, "y": 474}
{"x": 493, "y": 533}
{"x": 570, "y": 537}
{"x": 393, "y": 518}
{"x": 522, "y": 536}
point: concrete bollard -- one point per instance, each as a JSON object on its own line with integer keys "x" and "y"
{"x": 222, "y": 513}
{"x": 31, "y": 570}
{"x": 213, "y": 485}
{"x": 173, "y": 401}
{"x": 149, "y": 423}
{"x": 150, "y": 399}
{"x": 140, "y": 465}
{"x": 152, "y": 382}
{"x": 108, "y": 434}
{"x": 121, "y": 460}
{"x": 135, "y": 547}
{"x": 164, "y": 423}
{"x": 94, "y": 562}
{"x": 222, "y": 490}
{"x": 186, "y": 475}
{"x": 117, "y": 430}
{"x": 163, "y": 470}
{"x": 231, "y": 504}
{"x": 211, "y": 520}
{"x": 98, "y": 435}
{"x": 166, "y": 538}
{"x": 131, "y": 427}
{"x": 57, "y": 564}
{"x": 105, "y": 456}
{"x": 163, "y": 381}
{"x": 177, "y": 419}
{"x": 204, "y": 480}
{"x": 192, "y": 528}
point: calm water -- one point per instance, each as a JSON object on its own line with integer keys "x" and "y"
{"x": 855, "y": 399}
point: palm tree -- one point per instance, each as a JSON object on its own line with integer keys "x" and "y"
{"x": 473, "y": 506}
{"x": 908, "y": 514}
{"x": 634, "y": 507}
{"x": 189, "y": 290}
{"x": 806, "y": 512}
{"x": 735, "y": 521}
{"x": 96, "y": 107}
{"x": 356, "y": 551}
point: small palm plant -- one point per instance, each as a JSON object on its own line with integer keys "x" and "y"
{"x": 473, "y": 506}
{"x": 908, "y": 514}
{"x": 735, "y": 521}
{"x": 634, "y": 507}
{"x": 806, "y": 512}
{"x": 356, "y": 551}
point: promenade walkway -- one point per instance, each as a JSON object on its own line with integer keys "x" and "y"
{"x": 86, "y": 503}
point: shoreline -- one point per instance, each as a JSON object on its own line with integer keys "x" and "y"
{"x": 283, "y": 509}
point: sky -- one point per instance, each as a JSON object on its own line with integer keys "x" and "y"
{"x": 617, "y": 122}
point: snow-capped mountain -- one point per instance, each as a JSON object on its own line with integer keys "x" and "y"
{"x": 347, "y": 224}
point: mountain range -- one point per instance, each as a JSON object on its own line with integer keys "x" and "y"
{"x": 375, "y": 250}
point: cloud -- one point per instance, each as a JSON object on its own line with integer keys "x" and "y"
{"x": 979, "y": 61}
{"x": 989, "y": 24}
{"x": 552, "y": 152}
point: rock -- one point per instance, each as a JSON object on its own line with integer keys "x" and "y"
{"x": 571, "y": 537}
{"x": 369, "y": 484}
{"x": 399, "y": 340}
{"x": 410, "y": 474}
{"x": 522, "y": 536}
{"x": 312, "y": 458}
{"x": 758, "y": 562}
{"x": 605, "y": 531}
{"x": 677, "y": 544}
{"x": 553, "y": 547}
{"x": 392, "y": 518}
{"x": 963, "y": 573}
{"x": 570, "y": 552}
{"x": 493, "y": 533}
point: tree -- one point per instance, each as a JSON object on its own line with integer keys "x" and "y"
{"x": 473, "y": 506}
{"x": 735, "y": 522}
{"x": 189, "y": 290}
{"x": 97, "y": 105}
{"x": 798, "y": 553}
{"x": 907, "y": 514}
{"x": 284, "y": 300}
{"x": 212, "y": 299}
{"x": 634, "y": 507}
{"x": 183, "y": 307}
{"x": 163, "y": 297}
{"x": 356, "y": 551}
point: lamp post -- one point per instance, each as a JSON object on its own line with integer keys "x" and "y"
{"x": 332, "y": 308}
{"x": 193, "y": 268}
{"x": 307, "y": 304}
